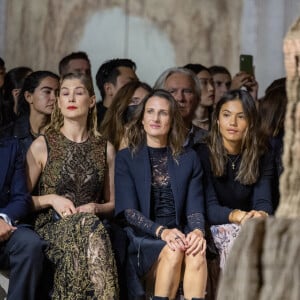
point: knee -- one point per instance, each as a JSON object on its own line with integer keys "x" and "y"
{"x": 27, "y": 242}
{"x": 196, "y": 263}
{"x": 172, "y": 258}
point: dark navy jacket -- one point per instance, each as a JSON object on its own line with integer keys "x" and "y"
{"x": 21, "y": 130}
{"x": 133, "y": 183}
{"x": 15, "y": 201}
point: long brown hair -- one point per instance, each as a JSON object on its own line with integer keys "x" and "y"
{"x": 57, "y": 119}
{"x": 272, "y": 108}
{"x": 137, "y": 136}
{"x": 113, "y": 125}
{"x": 253, "y": 144}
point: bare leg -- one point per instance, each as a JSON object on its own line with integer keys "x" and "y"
{"x": 195, "y": 276}
{"x": 166, "y": 272}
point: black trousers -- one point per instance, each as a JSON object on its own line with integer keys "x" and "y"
{"x": 23, "y": 255}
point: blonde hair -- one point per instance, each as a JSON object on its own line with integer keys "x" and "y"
{"x": 57, "y": 119}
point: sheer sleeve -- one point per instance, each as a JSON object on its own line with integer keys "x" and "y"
{"x": 139, "y": 221}
{"x": 196, "y": 221}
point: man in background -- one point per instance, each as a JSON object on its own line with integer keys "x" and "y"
{"x": 76, "y": 62}
{"x": 111, "y": 76}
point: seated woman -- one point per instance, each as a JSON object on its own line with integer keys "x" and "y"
{"x": 73, "y": 166}
{"x": 238, "y": 169}
{"x": 159, "y": 193}
{"x": 35, "y": 105}
{"x": 271, "y": 110}
{"x": 119, "y": 114}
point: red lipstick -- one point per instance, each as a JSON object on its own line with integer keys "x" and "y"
{"x": 71, "y": 107}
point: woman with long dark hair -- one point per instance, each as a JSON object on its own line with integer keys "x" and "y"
{"x": 119, "y": 114}
{"x": 238, "y": 169}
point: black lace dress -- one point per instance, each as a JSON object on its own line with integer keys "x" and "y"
{"x": 144, "y": 247}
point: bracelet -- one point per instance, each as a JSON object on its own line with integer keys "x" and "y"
{"x": 160, "y": 231}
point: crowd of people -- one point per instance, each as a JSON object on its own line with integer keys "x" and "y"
{"x": 140, "y": 194}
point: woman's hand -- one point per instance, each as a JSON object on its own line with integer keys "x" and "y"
{"x": 87, "y": 208}
{"x": 254, "y": 214}
{"x": 237, "y": 216}
{"x": 62, "y": 205}
{"x": 174, "y": 238}
{"x": 195, "y": 242}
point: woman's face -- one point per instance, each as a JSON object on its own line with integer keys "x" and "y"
{"x": 74, "y": 100}
{"x": 139, "y": 94}
{"x": 43, "y": 98}
{"x": 157, "y": 121}
{"x": 232, "y": 123}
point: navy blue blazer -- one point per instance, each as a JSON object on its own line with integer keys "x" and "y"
{"x": 133, "y": 183}
{"x": 15, "y": 201}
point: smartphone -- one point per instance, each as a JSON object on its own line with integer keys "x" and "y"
{"x": 246, "y": 63}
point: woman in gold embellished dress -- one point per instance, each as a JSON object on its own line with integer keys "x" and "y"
{"x": 73, "y": 169}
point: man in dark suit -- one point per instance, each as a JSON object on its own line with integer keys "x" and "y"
{"x": 21, "y": 249}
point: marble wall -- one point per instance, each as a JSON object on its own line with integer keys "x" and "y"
{"x": 156, "y": 34}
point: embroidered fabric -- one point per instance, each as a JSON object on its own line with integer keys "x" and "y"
{"x": 159, "y": 165}
{"x": 196, "y": 221}
{"x": 139, "y": 221}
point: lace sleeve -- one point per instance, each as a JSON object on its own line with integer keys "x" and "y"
{"x": 139, "y": 221}
{"x": 196, "y": 221}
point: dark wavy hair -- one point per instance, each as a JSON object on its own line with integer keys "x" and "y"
{"x": 113, "y": 125}
{"x": 253, "y": 144}
{"x": 137, "y": 136}
{"x": 14, "y": 79}
{"x": 31, "y": 82}
{"x": 272, "y": 109}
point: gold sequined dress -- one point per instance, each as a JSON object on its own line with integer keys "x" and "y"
{"x": 80, "y": 248}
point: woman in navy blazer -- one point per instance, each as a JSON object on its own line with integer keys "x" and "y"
{"x": 158, "y": 192}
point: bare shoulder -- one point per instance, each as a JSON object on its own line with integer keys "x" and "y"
{"x": 37, "y": 151}
{"x": 39, "y": 145}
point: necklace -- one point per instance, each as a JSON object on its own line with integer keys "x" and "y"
{"x": 233, "y": 162}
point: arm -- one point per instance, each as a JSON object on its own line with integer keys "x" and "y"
{"x": 195, "y": 196}
{"x": 105, "y": 209}
{"x": 195, "y": 241}
{"x": 262, "y": 195}
{"x": 216, "y": 213}
{"x": 139, "y": 221}
{"x": 15, "y": 192}
{"x": 35, "y": 161}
